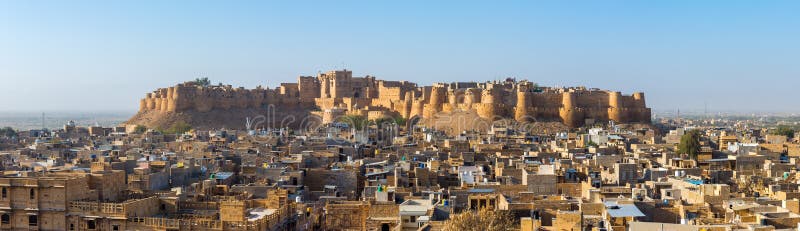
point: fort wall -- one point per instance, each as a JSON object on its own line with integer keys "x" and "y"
{"x": 339, "y": 90}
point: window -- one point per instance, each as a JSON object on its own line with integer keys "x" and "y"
{"x": 33, "y": 194}
{"x": 91, "y": 224}
{"x": 71, "y": 226}
{"x": 33, "y": 220}
{"x": 5, "y": 219}
{"x": 115, "y": 227}
{"x": 5, "y": 192}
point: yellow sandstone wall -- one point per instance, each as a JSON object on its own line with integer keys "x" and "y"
{"x": 339, "y": 89}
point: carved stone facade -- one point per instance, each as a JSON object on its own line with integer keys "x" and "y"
{"x": 337, "y": 92}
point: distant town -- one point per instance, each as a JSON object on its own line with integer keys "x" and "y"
{"x": 28, "y": 120}
{"x": 337, "y": 152}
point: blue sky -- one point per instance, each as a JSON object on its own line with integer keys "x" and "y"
{"x": 105, "y": 55}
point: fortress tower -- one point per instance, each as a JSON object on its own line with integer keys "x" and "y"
{"x": 417, "y": 107}
{"x": 615, "y": 109}
{"x": 488, "y": 108}
{"x": 638, "y": 98}
{"x": 438, "y": 97}
{"x": 452, "y": 101}
{"x": 570, "y": 114}
{"x": 521, "y": 110}
{"x": 469, "y": 98}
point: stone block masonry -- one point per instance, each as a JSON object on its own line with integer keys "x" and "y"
{"x": 340, "y": 91}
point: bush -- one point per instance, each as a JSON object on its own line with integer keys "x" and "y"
{"x": 139, "y": 129}
{"x": 179, "y": 127}
{"x": 484, "y": 220}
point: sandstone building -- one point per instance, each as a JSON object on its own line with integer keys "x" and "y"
{"x": 335, "y": 93}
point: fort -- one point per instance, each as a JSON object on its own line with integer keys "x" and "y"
{"x": 336, "y": 93}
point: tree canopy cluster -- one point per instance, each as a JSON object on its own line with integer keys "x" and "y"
{"x": 690, "y": 143}
{"x": 8, "y": 132}
{"x": 139, "y": 129}
{"x": 202, "y": 81}
{"x": 784, "y": 131}
{"x": 360, "y": 122}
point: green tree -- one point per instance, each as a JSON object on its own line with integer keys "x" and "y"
{"x": 537, "y": 88}
{"x": 382, "y": 121}
{"x": 179, "y": 127}
{"x": 400, "y": 120}
{"x": 483, "y": 220}
{"x": 139, "y": 129}
{"x": 354, "y": 121}
{"x": 784, "y": 131}
{"x": 8, "y": 132}
{"x": 690, "y": 144}
{"x": 202, "y": 81}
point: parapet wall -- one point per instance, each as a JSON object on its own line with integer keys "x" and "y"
{"x": 339, "y": 90}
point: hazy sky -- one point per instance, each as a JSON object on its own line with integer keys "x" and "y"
{"x": 105, "y": 55}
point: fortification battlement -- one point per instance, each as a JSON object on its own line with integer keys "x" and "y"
{"x": 339, "y": 90}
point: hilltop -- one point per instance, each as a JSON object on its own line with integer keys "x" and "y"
{"x": 314, "y": 100}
